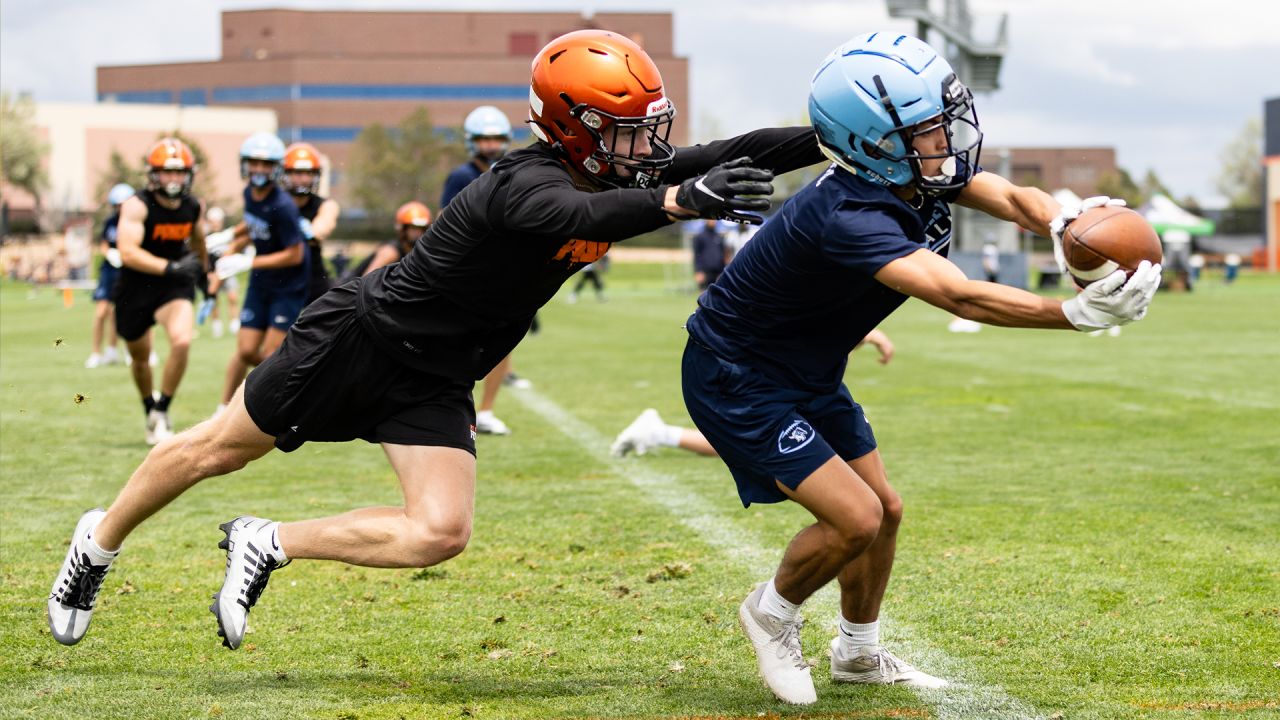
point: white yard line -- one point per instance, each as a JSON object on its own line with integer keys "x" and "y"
{"x": 965, "y": 698}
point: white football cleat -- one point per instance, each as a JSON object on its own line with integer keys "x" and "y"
{"x": 778, "y": 655}
{"x": 961, "y": 325}
{"x": 877, "y": 666}
{"x": 158, "y": 428}
{"x": 251, "y": 557}
{"x": 75, "y": 589}
{"x": 93, "y": 361}
{"x": 110, "y": 356}
{"x": 641, "y": 436}
{"x": 489, "y": 424}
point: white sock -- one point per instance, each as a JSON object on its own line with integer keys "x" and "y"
{"x": 269, "y": 538}
{"x": 858, "y": 635}
{"x": 670, "y": 436}
{"x": 96, "y": 554}
{"x": 776, "y": 605}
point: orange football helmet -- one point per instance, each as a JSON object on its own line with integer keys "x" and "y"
{"x": 302, "y": 157}
{"x": 591, "y": 84}
{"x": 170, "y": 154}
{"x": 414, "y": 214}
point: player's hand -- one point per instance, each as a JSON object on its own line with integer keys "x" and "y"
{"x": 114, "y": 259}
{"x": 187, "y": 268}
{"x": 234, "y": 264}
{"x": 1069, "y": 213}
{"x": 219, "y": 240}
{"x": 719, "y": 195}
{"x": 1111, "y": 301}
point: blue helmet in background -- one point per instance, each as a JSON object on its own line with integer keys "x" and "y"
{"x": 262, "y": 146}
{"x": 486, "y": 121}
{"x": 119, "y": 193}
{"x": 874, "y": 94}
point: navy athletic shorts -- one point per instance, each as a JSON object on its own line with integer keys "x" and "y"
{"x": 107, "y": 276}
{"x": 766, "y": 431}
{"x": 330, "y": 382}
{"x": 265, "y": 307}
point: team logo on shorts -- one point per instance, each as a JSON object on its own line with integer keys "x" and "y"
{"x": 797, "y": 435}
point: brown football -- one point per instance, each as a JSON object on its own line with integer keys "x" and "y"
{"x": 1105, "y": 239}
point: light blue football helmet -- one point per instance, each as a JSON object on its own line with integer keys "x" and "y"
{"x": 486, "y": 121}
{"x": 872, "y": 95}
{"x": 119, "y": 193}
{"x": 262, "y": 146}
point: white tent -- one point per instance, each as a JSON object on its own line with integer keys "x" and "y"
{"x": 1167, "y": 218}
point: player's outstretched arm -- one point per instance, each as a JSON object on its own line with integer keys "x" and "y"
{"x": 1106, "y": 303}
{"x": 1031, "y": 208}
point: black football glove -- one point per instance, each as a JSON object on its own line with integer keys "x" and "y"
{"x": 718, "y": 195}
{"x": 187, "y": 268}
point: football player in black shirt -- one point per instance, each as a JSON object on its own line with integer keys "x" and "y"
{"x": 398, "y": 351}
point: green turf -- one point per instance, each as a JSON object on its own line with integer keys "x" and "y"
{"x": 1092, "y": 524}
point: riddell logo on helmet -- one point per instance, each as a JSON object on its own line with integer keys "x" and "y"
{"x": 657, "y": 106}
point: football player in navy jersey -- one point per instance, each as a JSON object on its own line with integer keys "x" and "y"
{"x": 769, "y": 341}
{"x": 392, "y": 357}
{"x": 487, "y": 133}
{"x": 275, "y": 253}
{"x": 108, "y": 273}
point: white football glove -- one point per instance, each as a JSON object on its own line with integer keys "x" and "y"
{"x": 1111, "y": 301}
{"x": 114, "y": 259}
{"x": 1069, "y": 213}
{"x": 214, "y": 242}
{"x": 235, "y": 263}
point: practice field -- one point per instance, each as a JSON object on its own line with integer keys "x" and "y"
{"x": 1092, "y": 530}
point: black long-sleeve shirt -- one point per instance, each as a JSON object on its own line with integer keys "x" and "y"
{"x": 463, "y": 298}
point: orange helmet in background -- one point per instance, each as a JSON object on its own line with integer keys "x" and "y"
{"x": 302, "y": 157}
{"x": 588, "y": 86}
{"x": 170, "y": 154}
{"x": 413, "y": 214}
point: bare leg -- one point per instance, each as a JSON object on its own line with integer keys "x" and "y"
{"x": 849, "y": 516}
{"x": 140, "y": 352}
{"x": 433, "y": 526}
{"x": 214, "y": 447}
{"x": 110, "y": 316}
{"x": 178, "y": 319}
{"x": 101, "y": 314}
{"x": 863, "y": 581}
{"x": 245, "y": 357}
{"x": 696, "y": 442}
{"x": 493, "y": 383}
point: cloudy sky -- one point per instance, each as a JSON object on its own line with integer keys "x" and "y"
{"x": 1168, "y": 88}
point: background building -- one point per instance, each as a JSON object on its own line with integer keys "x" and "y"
{"x": 1076, "y": 169}
{"x": 328, "y": 74}
{"x": 82, "y": 136}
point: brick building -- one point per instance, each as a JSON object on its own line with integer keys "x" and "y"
{"x": 328, "y": 74}
{"x": 1077, "y": 169}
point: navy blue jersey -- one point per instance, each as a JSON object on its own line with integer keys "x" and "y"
{"x": 273, "y": 226}
{"x": 802, "y": 294}
{"x": 109, "y": 229}
{"x": 462, "y": 176}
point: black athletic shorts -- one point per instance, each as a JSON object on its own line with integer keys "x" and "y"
{"x": 138, "y": 300}
{"x": 329, "y": 382}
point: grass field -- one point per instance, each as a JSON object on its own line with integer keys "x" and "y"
{"x": 1092, "y": 531}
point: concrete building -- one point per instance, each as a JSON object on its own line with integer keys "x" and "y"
{"x": 328, "y": 74}
{"x": 82, "y": 136}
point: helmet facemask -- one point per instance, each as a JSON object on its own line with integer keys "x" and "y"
{"x": 310, "y": 187}
{"x": 958, "y": 119}
{"x": 605, "y": 128}
{"x": 170, "y": 189}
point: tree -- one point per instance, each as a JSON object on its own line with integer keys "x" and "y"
{"x": 1151, "y": 185}
{"x": 1118, "y": 184}
{"x": 1240, "y": 180}
{"x": 21, "y": 152}
{"x": 409, "y": 162}
{"x": 134, "y": 172}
